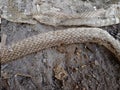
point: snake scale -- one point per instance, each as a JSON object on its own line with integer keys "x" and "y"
{"x": 56, "y": 38}
{"x": 67, "y": 36}
{"x": 90, "y": 18}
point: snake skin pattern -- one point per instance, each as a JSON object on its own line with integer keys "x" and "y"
{"x": 56, "y": 38}
{"x": 96, "y": 18}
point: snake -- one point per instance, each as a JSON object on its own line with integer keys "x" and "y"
{"x": 93, "y": 34}
{"x": 56, "y": 38}
{"x": 94, "y": 18}
{"x": 97, "y": 18}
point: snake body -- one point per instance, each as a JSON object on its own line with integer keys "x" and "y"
{"x": 95, "y": 18}
{"x": 56, "y": 38}
{"x": 41, "y": 41}
{"x": 92, "y": 18}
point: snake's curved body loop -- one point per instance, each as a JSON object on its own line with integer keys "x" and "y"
{"x": 56, "y": 38}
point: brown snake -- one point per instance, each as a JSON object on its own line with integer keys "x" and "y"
{"x": 56, "y": 38}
